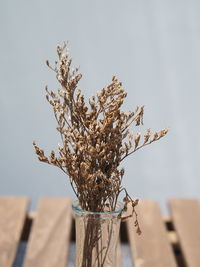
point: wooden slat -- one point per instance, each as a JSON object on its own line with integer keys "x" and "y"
{"x": 152, "y": 248}
{"x": 12, "y": 217}
{"x": 186, "y": 218}
{"x": 50, "y": 234}
{"x": 118, "y": 256}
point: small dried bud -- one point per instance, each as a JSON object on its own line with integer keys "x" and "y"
{"x": 122, "y": 172}
{"x": 163, "y": 132}
{"x": 155, "y": 137}
{"x": 137, "y": 140}
{"x": 147, "y": 136}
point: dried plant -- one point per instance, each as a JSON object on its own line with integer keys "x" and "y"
{"x": 96, "y": 138}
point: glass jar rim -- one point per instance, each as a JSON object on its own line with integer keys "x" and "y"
{"x": 76, "y": 208}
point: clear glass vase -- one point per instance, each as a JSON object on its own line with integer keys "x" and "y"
{"x": 97, "y": 235}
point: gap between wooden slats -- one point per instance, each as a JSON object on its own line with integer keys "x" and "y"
{"x": 50, "y": 234}
{"x": 186, "y": 219}
{"x": 152, "y": 248}
{"x": 12, "y": 217}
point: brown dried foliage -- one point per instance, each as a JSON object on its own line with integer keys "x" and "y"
{"x": 95, "y": 138}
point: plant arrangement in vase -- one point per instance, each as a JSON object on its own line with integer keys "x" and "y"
{"x": 96, "y": 138}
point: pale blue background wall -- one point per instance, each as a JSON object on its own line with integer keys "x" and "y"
{"x": 154, "y": 49}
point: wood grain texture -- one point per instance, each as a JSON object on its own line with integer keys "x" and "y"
{"x": 118, "y": 256}
{"x": 50, "y": 234}
{"x": 152, "y": 248}
{"x": 186, "y": 218}
{"x": 12, "y": 217}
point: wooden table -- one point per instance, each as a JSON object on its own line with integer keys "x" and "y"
{"x": 165, "y": 242}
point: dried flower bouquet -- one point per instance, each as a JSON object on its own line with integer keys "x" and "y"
{"x": 96, "y": 138}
